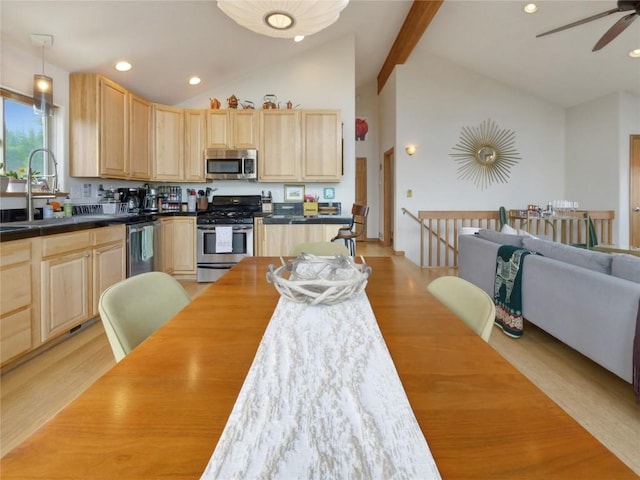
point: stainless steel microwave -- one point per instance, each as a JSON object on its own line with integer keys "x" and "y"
{"x": 228, "y": 164}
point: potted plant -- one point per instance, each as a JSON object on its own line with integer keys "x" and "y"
{"x": 17, "y": 180}
{"x": 4, "y": 179}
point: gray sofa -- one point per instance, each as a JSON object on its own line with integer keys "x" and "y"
{"x": 587, "y": 299}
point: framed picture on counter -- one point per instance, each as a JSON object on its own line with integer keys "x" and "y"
{"x": 294, "y": 193}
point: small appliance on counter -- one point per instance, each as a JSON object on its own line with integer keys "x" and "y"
{"x": 151, "y": 201}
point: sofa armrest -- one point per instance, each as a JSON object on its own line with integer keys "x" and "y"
{"x": 477, "y": 261}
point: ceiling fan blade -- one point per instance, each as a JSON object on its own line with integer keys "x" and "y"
{"x": 580, "y": 22}
{"x": 615, "y": 30}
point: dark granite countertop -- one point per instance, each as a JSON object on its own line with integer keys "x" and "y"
{"x": 19, "y": 230}
{"x": 309, "y": 220}
{"x": 37, "y": 228}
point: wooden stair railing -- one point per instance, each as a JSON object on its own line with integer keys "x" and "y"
{"x": 442, "y": 246}
{"x": 439, "y": 248}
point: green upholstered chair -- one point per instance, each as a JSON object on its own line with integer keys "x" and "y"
{"x": 134, "y": 308}
{"x": 467, "y": 301}
{"x": 320, "y": 249}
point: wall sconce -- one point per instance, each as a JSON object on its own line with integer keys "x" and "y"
{"x": 410, "y": 149}
{"x": 42, "y": 85}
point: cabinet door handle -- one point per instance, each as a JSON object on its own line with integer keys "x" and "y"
{"x": 87, "y": 254}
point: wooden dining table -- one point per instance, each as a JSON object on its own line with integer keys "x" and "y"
{"x": 160, "y": 412}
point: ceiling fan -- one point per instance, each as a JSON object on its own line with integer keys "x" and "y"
{"x": 615, "y": 30}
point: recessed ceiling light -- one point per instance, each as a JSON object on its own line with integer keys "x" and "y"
{"x": 194, "y": 80}
{"x": 530, "y": 8}
{"x": 298, "y": 38}
{"x": 123, "y": 66}
{"x": 635, "y": 53}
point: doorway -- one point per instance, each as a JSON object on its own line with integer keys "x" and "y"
{"x": 361, "y": 188}
{"x": 388, "y": 205}
{"x": 634, "y": 191}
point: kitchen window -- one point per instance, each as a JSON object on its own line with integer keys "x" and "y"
{"x": 22, "y": 131}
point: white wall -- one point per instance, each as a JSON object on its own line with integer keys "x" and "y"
{"x": 434, "y": 100}
{"x": 597, "y": 161}
{"x": 321, "y": 78}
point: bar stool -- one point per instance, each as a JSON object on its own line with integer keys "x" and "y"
{"x": 355, "y": 229}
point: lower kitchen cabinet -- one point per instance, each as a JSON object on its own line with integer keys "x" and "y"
{"x": 179, "y": 245}
{"x": 75, "y": 270}
{"x": 109, "y": 261}
{"x": 18, "y": 298}
{"x": 279, "y": 239}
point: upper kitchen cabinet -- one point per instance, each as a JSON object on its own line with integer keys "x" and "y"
{"x": 300, "y": 145}
{"x": 99, "y": 122}
{"x": 279, "y": 152}
{"x": 168, "y": 143}
{"x": 139, "y": 138}
{"x": 321, "y": 146}
{"x": 195, "y": 132}
{"x": 232, "y": 128}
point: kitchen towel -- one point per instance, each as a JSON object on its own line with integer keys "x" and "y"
{"x": 322, "y": 400}
{"x": 146, "y": 246}
{"x": 224, "y": 239}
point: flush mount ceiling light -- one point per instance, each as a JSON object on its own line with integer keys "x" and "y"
{"x": 635, "y": 53}
{"x": 530, "y": 8}
{"x": 194, "y": 80}
{"x": 42, "y": 85}
{"x": 283, "y": 18}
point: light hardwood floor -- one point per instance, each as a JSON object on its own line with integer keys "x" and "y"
{"x": 604, "y": 404}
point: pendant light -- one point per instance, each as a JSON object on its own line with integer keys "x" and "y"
{"x": 42, "y": 84}
{"x": 283, "y": 18}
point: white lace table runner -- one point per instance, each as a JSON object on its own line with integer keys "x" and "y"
{"x": 322, "y": 400}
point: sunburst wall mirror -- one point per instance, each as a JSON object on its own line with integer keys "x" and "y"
{"x": 487, "y": 154}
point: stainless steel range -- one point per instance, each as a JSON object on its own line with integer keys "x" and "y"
{"x": 225, "y": 234}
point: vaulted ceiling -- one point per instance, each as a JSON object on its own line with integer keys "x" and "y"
{"x": 168, "y": 41}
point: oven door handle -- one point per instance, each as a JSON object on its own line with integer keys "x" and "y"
{"x": 236, "y": 228}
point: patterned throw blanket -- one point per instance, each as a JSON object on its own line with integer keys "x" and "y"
{"x": 507, "y": 291}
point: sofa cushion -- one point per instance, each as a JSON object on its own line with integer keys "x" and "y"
{"x": 514, "y": 231}
{"x": 501, "y": 238}
{"x": 596, "y": 261}
{"x": 626, "y": 266}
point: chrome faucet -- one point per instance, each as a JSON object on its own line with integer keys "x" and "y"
{"x": 30, "y": 179}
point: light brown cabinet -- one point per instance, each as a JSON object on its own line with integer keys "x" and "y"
{"x": 18, "y": 298}
{"x": 321, "y": 146}
{"x": 74, "y": 273}
{"x": 279, "y": 239}
{"x": 179, "y": 245}
{"x": 168, "y": 143}
{"x": 139, "y": 138}
{"x": 232, "y": 128}
{"x": 195, "y": 131}
{"x": 98, "y": 127}
{"x": 300, "y": 145}
{"x": 279, "y": 146}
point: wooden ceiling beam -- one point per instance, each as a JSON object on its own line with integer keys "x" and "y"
{"x": 418, "y": 19}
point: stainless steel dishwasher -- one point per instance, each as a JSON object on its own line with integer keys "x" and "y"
{"x": 144, "y": 246}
